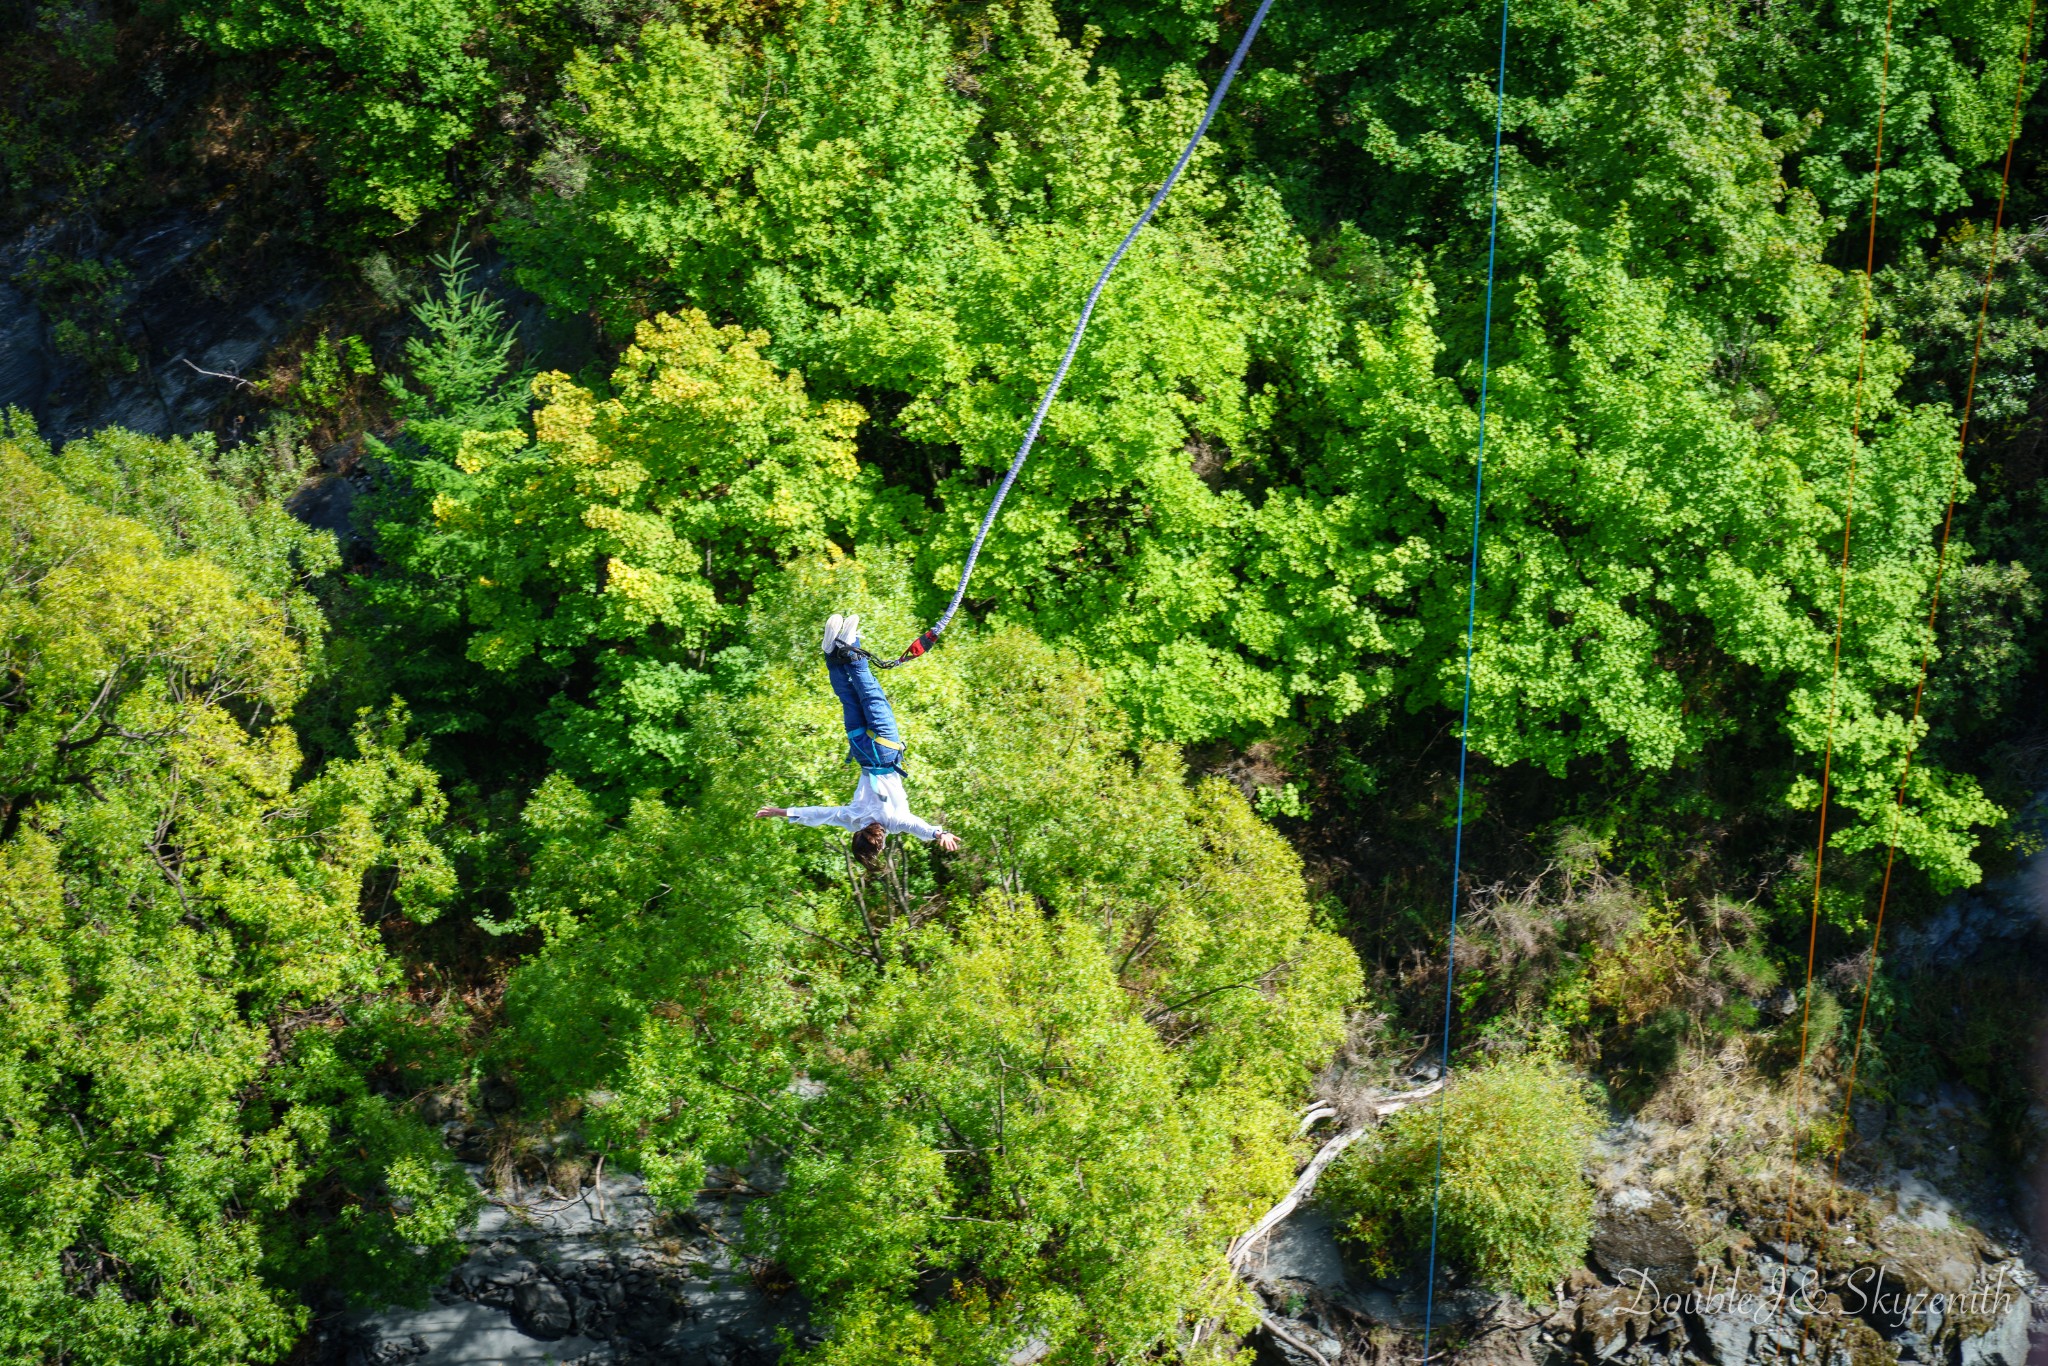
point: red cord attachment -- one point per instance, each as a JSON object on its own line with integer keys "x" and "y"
{"x": 917, "y": 647}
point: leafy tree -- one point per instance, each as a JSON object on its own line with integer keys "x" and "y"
{"x": 394, "y": 91}
{"x": 224, "y": 505}
{"x": 1516, "y": 1206}
{"x": 171, "y": 900}
{"x": 818, "y": 172}
{"x": 1248, "y": 505}
{"x": 607, "y": 551}
{"x": 943, "y": 273}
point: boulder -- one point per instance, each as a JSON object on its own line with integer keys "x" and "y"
{"x": 2005, "y": 1342}
{"x": 1609, "y": 1319}
{"x": 1302, "y": 1247}
{"x": 542, "y": 1311}
{"x": 1640, "y": 1241}
{"x": 1722, "y": 1335}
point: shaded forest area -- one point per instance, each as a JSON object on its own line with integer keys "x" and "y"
{"x": 436, "y": 430}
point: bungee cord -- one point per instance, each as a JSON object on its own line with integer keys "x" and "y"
{"x": 930, "y": 636}
{"x": 1436, "y": 1191}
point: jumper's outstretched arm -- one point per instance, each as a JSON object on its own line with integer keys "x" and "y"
{"x": 945, "y": 839}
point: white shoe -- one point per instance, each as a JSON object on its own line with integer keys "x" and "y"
{"x": 849, "y": 634}
{"x": 833, "y": 625}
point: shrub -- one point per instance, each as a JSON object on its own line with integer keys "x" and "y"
{"x": 1517, "y": 1209}
{"x": 1812, "y": 1028}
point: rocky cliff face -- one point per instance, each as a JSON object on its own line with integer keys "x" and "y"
{"x": 595, "y": 1275}
{"x": 180, "y": 316}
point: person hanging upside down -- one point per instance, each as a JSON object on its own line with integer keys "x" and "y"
{"x": 879, "y": 807}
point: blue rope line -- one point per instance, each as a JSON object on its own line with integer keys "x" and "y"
{"x": 1436, "y": 1193}
{"x": 1074, "y": 343}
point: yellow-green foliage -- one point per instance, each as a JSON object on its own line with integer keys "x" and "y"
{"x": 617, "y": 540}
{"x": 1516, "y": 1208}
{"x": 1646, "y": 971}
{"x": 167, "y": 898}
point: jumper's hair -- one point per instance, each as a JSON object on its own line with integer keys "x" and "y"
{"x": 867, "y": 843}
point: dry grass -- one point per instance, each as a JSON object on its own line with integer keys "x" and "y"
{"x": 1720, "y": 1132}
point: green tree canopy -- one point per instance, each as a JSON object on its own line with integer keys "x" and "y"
{"x": 175, "y": 906}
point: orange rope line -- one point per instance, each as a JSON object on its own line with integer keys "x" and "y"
{"x": 1841, "y": 602}
{"x": 1940, "y": 567}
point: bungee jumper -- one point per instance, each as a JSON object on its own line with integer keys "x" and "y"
{"x": 879, "y": 807}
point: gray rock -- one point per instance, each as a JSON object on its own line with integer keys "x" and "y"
{"x": 1793, "y": 1254}
{"x": 1609, "y": 1320}
{"x": 2005, "y": 1342}
{"x": 515, "y": 1272}
{"x": 462, "y": 1334}
{"x": 1303, "y": 1247}
{"x": 1642, "y": 1242}
{"x": 1723, "y": 1335}
{"x": 543, "y": 1311}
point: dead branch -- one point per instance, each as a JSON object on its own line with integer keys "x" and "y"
{"x": 1316, "y": 1114}
{"x": 1306, "y": 1184}
{"x": 216, "y": 374}
{"x": 1272, "y": 1326}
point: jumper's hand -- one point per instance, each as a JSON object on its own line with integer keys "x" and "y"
{"x": 774, "y": 813}
{"x": 949, "y": 841}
